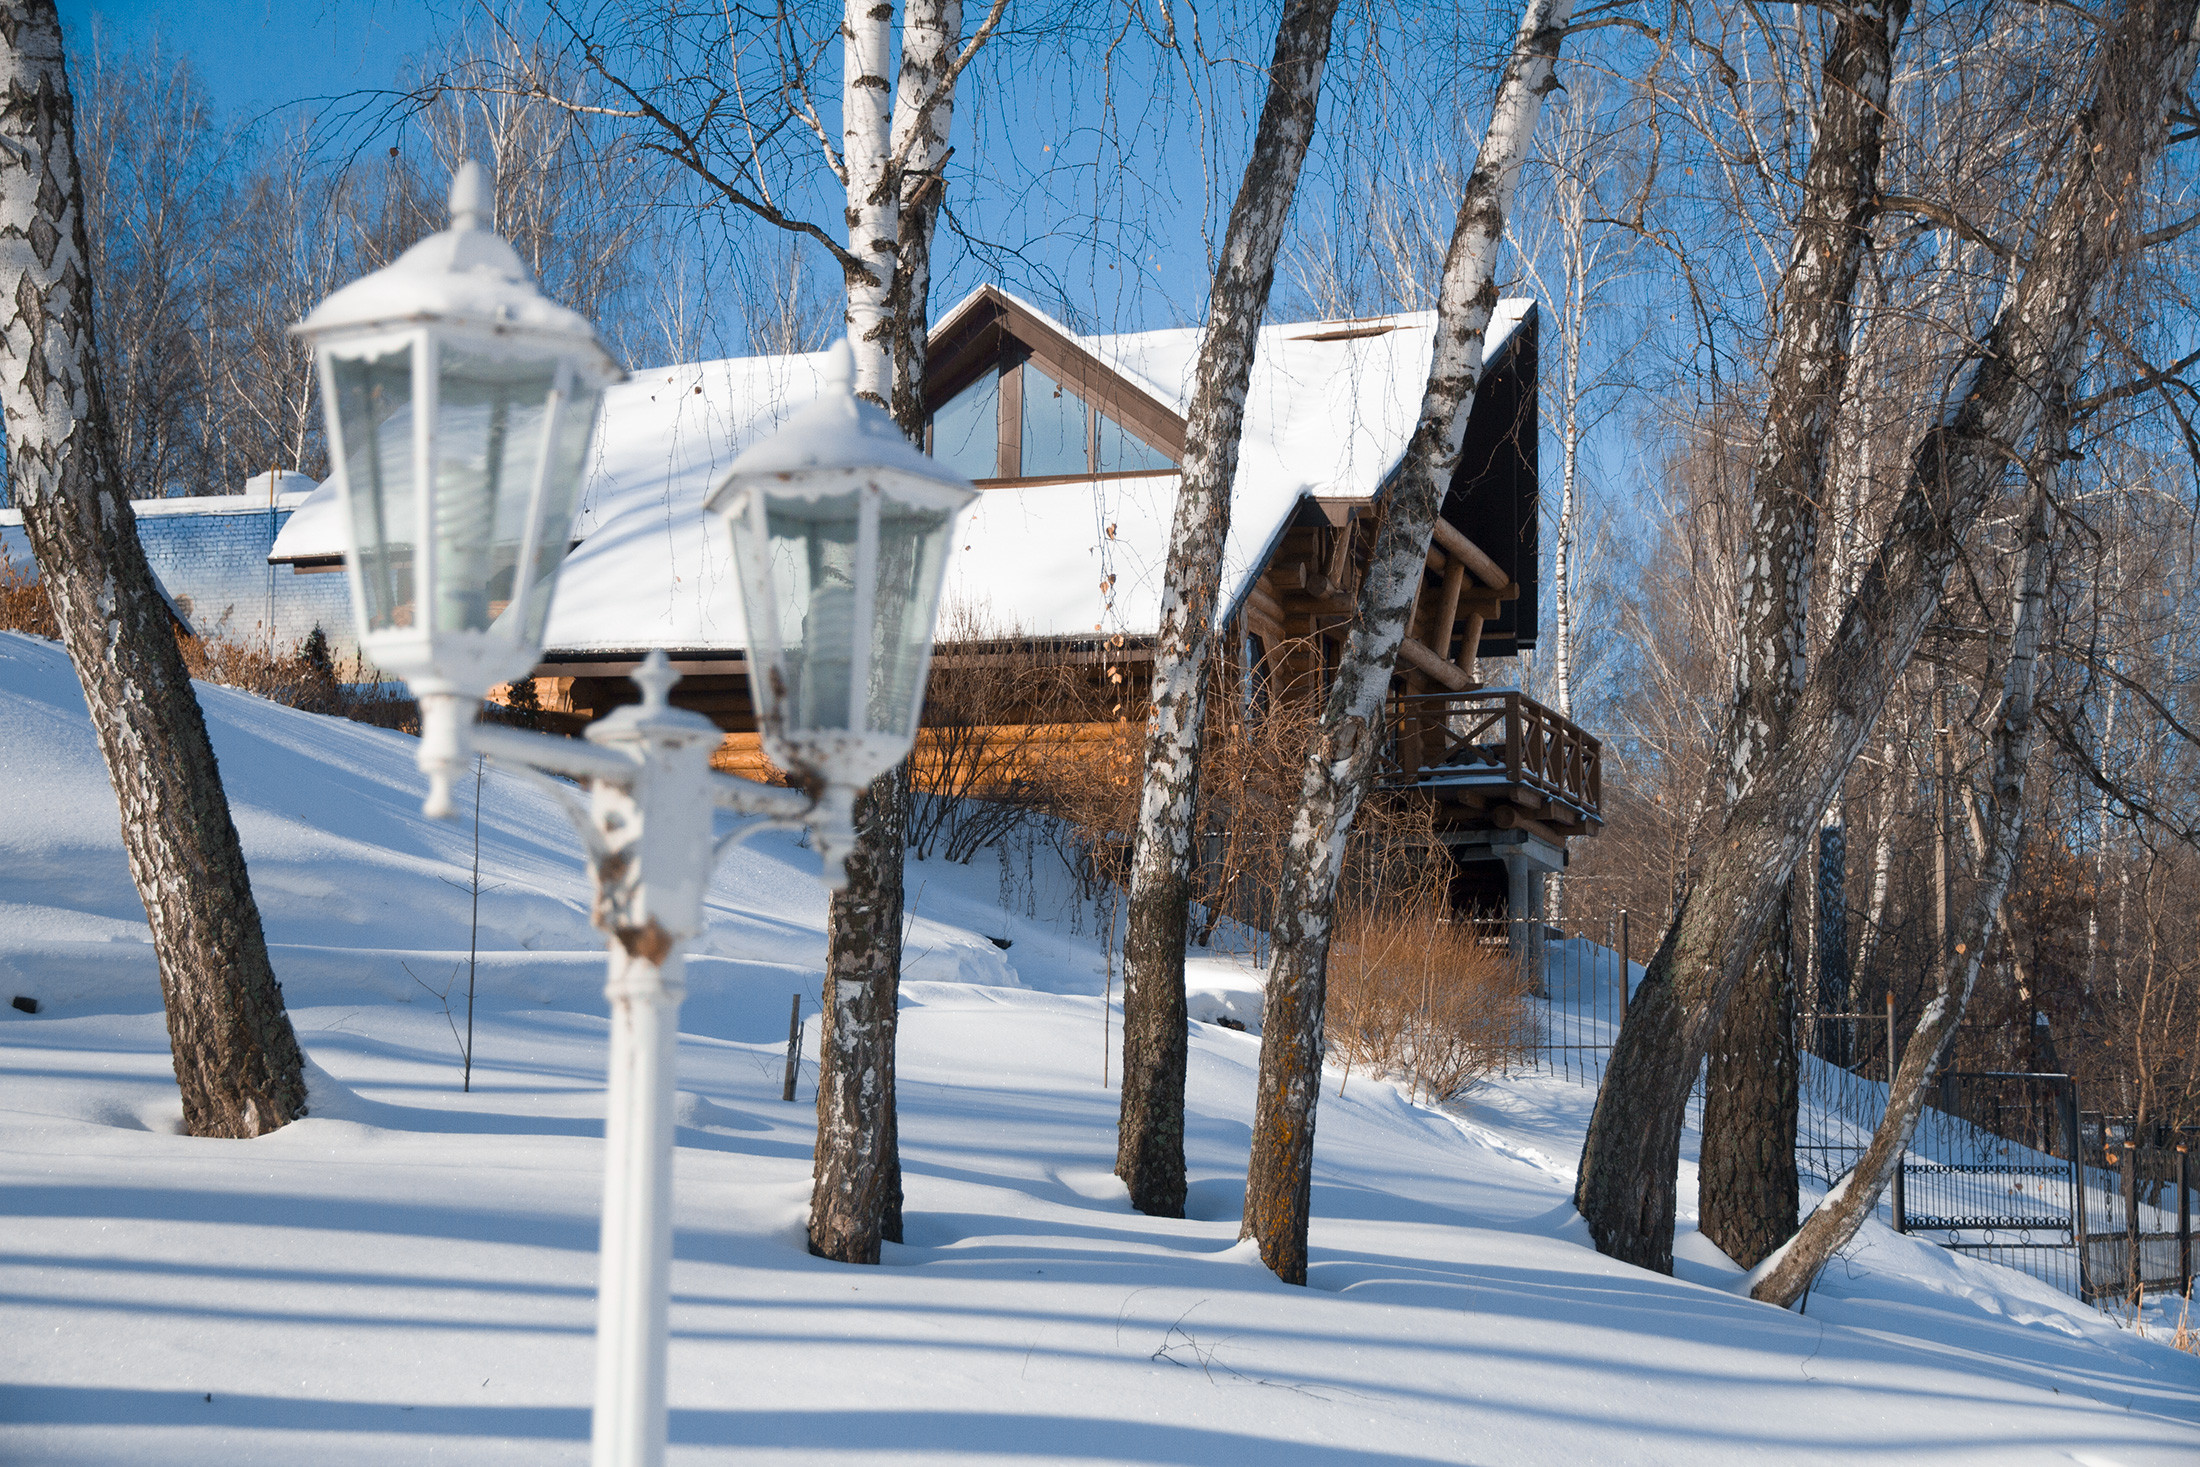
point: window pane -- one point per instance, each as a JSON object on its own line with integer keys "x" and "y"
{"x": 489, "y": 442}
{"x": 374, "y": 409}
{"x": 912, "y": 553}
{"x": 568, "y": 466}
{"x": 966, "y": 433}
{"x": 1122, "y": 451}
{"x": 1054, "y": 427}
{"x": 813, "y": 554}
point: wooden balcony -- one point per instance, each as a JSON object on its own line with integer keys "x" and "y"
{"x": 1495, "y": 759}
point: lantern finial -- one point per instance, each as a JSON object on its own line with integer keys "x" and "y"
{"x": 469, "y": 197}
{"x": 655, "y": 678}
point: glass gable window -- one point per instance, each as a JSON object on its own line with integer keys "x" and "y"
{"x": 1057, "y": 428}
{"x": 1052, "y": 434}
{"x": 1120, "y": 451}
{"x": 966, "y": 431}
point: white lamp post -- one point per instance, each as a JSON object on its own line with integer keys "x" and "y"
{"x": 459, "y": 405}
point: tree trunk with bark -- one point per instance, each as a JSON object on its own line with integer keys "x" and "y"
{"x": 1746, "y": 1186}
{"x": 237, "y": 1061}
{"x": 1342, "y": 759}
{"x": 1149, "y": 1153}
{"x": 855, "y": 1188}
{"x": 1994, "y": 409}
{"x": 1835, "y": 1220}
{"x": 874, "y": 193}
{"x": 1748, "y": 1192}
{"x": 892, "y": 160}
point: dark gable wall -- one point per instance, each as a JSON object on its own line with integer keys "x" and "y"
{"x": 1492, "y": 500}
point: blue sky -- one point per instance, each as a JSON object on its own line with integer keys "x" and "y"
{"x": 256, "y": 55}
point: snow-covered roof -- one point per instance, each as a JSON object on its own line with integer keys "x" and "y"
{"x": 1328, "y": 411}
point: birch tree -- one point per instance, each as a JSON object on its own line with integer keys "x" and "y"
{"x": 733, "y": 140}
{"x": 1835, "y": 1220}
{"x": 891, "y": 154}
{"x": 1993, "y": 410}
{"x": 1748, "y": 1181}
{"x": 236, "y": 1060}
{"x": 1341, "y": 758}
{"x": 1150, "y": 1134}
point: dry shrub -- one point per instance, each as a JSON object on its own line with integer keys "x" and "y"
{"x": 1016, "y": 725}
{"x": 23, "y": 605}
{"x": 305, "y": 677}
{"x": 1418, "y": 996}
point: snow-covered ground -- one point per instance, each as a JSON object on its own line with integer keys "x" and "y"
{"x": 407, "y": 1274}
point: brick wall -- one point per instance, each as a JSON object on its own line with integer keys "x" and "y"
{"x": 211, "y": 556}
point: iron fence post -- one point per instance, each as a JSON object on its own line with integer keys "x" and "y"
{"x": 2069, "y": 1096}
{"x": 2134, "y": 1275}
{"x": 2184, "y": 1220}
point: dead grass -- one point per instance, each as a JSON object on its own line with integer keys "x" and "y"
{"x": 23, "y": 605}
{"x": 303, "y": 677}
{"x": 1420, "y": 998}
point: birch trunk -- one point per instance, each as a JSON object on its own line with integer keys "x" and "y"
{"x": 1835, "y": 1220}
{"x": 874, "y": 192}
{"x": 855, "y": 1183}
{"x": 236, "y": 1060}
{"x": 1632, "y": 1149}
{"x": 1149, "y": 1154}
{"x": 855, "y": 1187}
{"x": 1341, "y": 761}
{"x": 893, "y": 166}
{"x": 1747, "y": 1188}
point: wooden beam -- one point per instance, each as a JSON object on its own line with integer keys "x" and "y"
{"x": 1260, "y": 599}
{"x": 1447, "y": 605}
{"x": 1485, "y": 569}
{"x": 1340, "y": 552}
{"x": 1418, "y": 656}
{"x": 1512, "y": 817}
{"x": 1471, "y": 648}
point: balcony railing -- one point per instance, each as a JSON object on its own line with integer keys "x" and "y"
{"x": 1491, "y": 738}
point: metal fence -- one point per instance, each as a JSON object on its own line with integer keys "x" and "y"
{"x": 1584, "y": 982}
{"x": 2004, "y": 1167}
{"x": 2137, "y": 1218}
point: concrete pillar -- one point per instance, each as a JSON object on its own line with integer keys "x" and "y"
{"x": 1524, "y": 913}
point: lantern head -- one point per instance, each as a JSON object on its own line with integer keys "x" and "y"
{"x": 459, "y": 404}
{"x": 841, "y": 533}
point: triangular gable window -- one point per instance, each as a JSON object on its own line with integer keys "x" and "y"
{"x": 1008, "y": 413}
{"x": 1016, "y": 422}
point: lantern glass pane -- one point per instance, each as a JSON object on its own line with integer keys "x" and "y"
{"x": 812, "y": 544}
{"x": 560, "y": 493}
{"x": 489, "y": 427}
{"x": 374, "y": 410}
{"x": 912, "y": 554}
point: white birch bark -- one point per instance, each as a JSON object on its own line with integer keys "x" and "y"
{"x": 874, "y": 192}
{"x": 1341, "y": 760}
